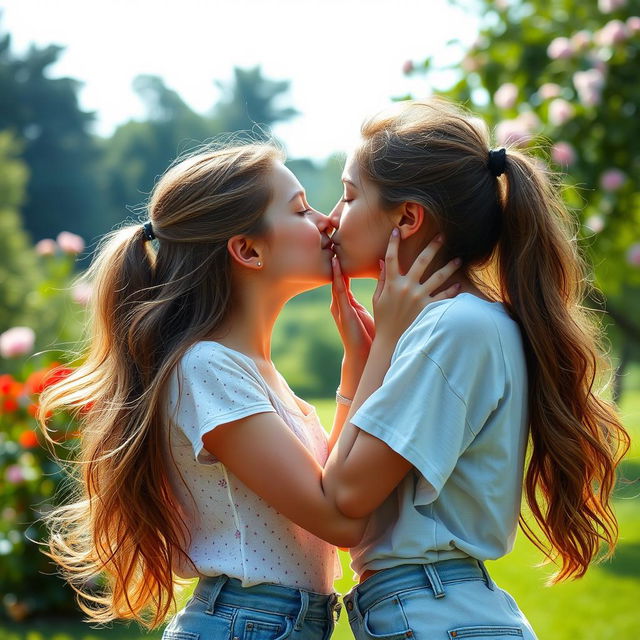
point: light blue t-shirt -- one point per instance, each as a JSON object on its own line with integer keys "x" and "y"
{"x": 454, "y": 404}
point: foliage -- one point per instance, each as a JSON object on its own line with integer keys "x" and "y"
{"x": 30, "y": 477}
{"x": 18, "y": 264}
{"x": 139, "y": 152}
{"x": 563, "y": 75}
{"x": 30, "y": 480}
{"x": 42, "y": 113}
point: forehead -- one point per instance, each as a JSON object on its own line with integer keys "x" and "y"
{"x": 285, "y": 184}
{"x": 351, "y": 171}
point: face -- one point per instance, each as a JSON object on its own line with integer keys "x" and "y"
{"x": 363, "y": 227}
{"x": 297, "y": 249}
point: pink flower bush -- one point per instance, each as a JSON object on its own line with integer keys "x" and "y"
{"x": 633, "y": 255}
{"x": 633, "y": 24}
{"x": 46, "y": 247}
{"x": 407, "y": 67}
{"x": 81, "y": 293}
{"x": 560, "y": 48}
{"x": 612, "y": 179}
{"x": 70, "y": 242}
{"x": 549, "y": 90}
{"x": 595, "y": 223}
{"x": 560, "y": 111}
{"x": 518, "y": 131}
{"x": 581, "y": 40}
{"x": 506, "y": 96}
{"x": 609, "y": 6}
{"x": 14, "y": 474}
{"x": 17, "y": 341}
{"x": 563, "y": 153}
{"x": 612, "y": 33}
{"x": 589, "y": 86}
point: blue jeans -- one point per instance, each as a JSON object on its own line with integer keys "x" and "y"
{"x": 221, "y": 609}
{"x": 445, "y": 600}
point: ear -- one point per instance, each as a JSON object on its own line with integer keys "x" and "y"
{"x": 244, "y": 251}
{"x": 412, "y": 217}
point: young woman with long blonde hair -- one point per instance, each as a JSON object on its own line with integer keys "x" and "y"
{"x": 435, "y": 456}
{"x": 195, "y": 457}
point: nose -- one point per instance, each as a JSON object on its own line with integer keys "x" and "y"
{"x": 323, "y": 222}
{"x": 334, "y": 216}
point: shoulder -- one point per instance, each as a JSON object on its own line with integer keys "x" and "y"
{"x": 216, "y": 359}
{"x": 464, "y": 321}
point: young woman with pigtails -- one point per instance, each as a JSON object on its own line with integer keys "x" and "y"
{"x": 195, "y": 458}
{"x": 433, "y": 450}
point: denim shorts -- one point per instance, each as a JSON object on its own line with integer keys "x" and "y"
{"x": 221, "y": 609}
{"x": 444, "y": 600}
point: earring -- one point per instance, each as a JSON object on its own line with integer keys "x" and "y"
{"x": 259, "y": 263}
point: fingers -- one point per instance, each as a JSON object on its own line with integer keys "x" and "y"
{"x": 439, "y": 277}
{"x": 450, "y": 292}
{"x": 381, "y": 280}
{"x": 339, "y": 286}
{"x": 425, "y": 257}
{"x": 391, "y": 258}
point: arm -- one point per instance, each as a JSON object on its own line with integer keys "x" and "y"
{"x": 362, "y": 470}
{"x": 266, "y": 456}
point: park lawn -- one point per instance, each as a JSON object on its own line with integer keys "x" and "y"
{"x": 600, "y": 606}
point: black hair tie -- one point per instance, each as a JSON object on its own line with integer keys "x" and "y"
{"x": 497, "y": 161}
{"x": 148, "y": 230}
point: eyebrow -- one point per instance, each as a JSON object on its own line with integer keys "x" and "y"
{"x": 353, "y": 184}
{"x": 301, "y": 192}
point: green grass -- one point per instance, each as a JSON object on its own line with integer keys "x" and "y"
{"x": 602, "y": 605}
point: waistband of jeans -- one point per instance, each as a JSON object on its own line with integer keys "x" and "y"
{"x": 267, "y": 597}
{"x": 412, "y": 576}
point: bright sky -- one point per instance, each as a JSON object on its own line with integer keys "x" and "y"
{"x": 344, "y": 57}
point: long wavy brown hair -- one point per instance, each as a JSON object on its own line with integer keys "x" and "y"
{"x": 148, "y": 307}
{"x": 518, "y": 242}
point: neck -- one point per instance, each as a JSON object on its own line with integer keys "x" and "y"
{"x": 249, "y": 326}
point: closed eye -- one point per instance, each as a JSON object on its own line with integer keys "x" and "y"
{"x": 305, "y": 212}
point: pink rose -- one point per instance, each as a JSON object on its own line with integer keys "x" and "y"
{"x": 560, "y": 48}
{"x": 506, "y": 96}
{"x": 611, "y": 34}
{"x": 633, "y": 255}
{"x": 46, "y": 247}
{"x": 609, "y": 6}
{"x": 589, "y": 86}
{"x": 512, "y": 132}
{"x": 70, "y": 242}
{"x": 633, "y": 24}
{"x": 595, "y": 223}
{"x": 14, "y": 474}
{"x": 17, "y": 341}
{"x": 581, "y": 40}
{"x": 81, "y": 293}
{"x": 549, "y": 90}
{"x": 560, "y": 111}
{"x": 563, "y": 153}
{"x": 612, "y": 179}
{"x": 407, "y": 67}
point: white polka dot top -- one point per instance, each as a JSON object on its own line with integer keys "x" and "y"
{"x": 234, "y": 531}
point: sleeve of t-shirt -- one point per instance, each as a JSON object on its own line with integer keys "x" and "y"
{"x": 442, "y": 385}
{"x": 216, "y": 387}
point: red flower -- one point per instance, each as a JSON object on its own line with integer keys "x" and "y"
{"x": 9, "y": 386}
{"x": 55, "y": 375}
{"x": 9, "y": 405}
{"x": 28, "y": 439}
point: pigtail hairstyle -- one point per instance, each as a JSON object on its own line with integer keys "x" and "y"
{"x": 148, "y": 307}
{"x": 516, "y": 236}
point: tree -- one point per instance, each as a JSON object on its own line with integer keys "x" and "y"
{"x": 251, "y": 99}
{"x": 564, "y": 74}
{"x": 63, "y": 191}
